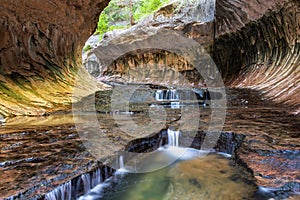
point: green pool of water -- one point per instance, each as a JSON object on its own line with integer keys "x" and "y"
{"x": 190, "y": 177}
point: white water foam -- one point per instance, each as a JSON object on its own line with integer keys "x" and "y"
{"x": 170, "y": 95}
{"x": 173, "y": 137}
{"x": 65, "y": 191}
{"x": 62, "y": 192}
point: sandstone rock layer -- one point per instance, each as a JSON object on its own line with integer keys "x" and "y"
{"x": 254, "y": 45}
{"x": 257, "y": 46}
{"x": 40, "y": 52}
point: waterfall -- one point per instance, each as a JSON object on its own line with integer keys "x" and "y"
{"x": 172, "y": 95}
{"x": 182, "y": 95}
{"x": 121, "y": 162}
{"x": 176, "y": 98}
{"x": 86, "y": 182}
{"x": 83, "y": 183}
{"x": 63, "y": 192}
{"x": 159, "y": 95}
{"x": 163, "y": 95}
{"x": 96, "y": 177}
{"x": 173, "y": 138}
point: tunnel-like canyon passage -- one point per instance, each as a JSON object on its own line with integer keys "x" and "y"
{"x": 255, "y": 46}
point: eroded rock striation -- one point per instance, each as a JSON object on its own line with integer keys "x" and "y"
{"x": 254, "y": 45}
{"x": 257, "y": 46}
{"x": 40, "y": 52}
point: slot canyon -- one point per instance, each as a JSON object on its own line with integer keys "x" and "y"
{"x": 48, "y": 92}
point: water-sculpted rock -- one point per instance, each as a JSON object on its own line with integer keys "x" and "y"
{"x": 41, "y": 48}
{"x": 271, "y": 146}
{"x": 40, "y": 52}
{"x": 255, "y": 45}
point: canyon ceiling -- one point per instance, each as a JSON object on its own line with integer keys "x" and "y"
{"x": 255, "y": 44}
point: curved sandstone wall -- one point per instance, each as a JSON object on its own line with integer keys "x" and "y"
{"x": 254, "y": 44}
{"x": 40, "y": 51}
{"x": 260, "y": 50}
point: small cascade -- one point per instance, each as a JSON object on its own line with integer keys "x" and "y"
{"x": 63, "y": 192}
{"x": 182, "y": 94}
{"x": 96, "y": 177}
{"x": 159, "y": 95}
{"x": 173, "y": 138}
{"x": 121, "y": 162}
{"x": 86, "y": 179}
{"x": 79, "y": 185}
{"x": 167, "y": 95}
{"x": 172, "y": 95}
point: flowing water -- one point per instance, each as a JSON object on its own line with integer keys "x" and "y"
{"x": 38, "y": 154}
{"x": 190, "y": 177}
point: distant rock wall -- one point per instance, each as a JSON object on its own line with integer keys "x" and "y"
{"x": 255, "y": 44}
{"x": 40, "y": 52}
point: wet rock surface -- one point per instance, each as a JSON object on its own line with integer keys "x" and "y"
{"x": 34, "y": 160}
{"x": 41, "y": 44}
{"x": 271, "y": 146}
{"x": 38, "y": 154}
{"x": 253, "y": 45}
{"x": 256, "y": 135}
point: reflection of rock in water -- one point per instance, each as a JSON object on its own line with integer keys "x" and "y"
{"x": 211, "y": 177}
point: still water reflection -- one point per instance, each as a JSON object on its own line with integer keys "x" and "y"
{"x": 191, "y": 177}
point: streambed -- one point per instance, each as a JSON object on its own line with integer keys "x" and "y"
{"x": 40, "y": 153}
{"x": 191, "y": 177}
